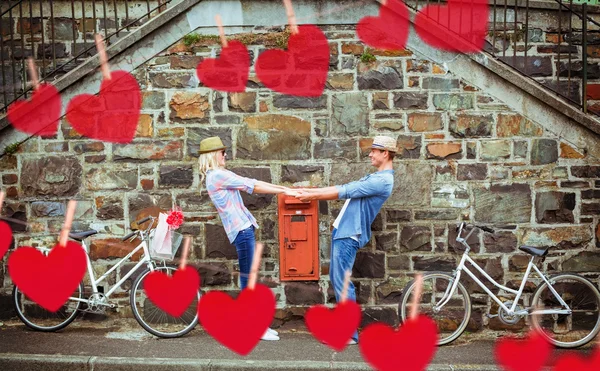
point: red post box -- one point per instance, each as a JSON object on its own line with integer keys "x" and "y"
{"x": 298, "y": 239}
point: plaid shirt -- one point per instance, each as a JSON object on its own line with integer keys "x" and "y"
{"x": 224, "y": 188}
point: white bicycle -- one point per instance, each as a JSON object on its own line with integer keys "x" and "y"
{"x": 566, "y": 307}
{"x": 149, "y": 316}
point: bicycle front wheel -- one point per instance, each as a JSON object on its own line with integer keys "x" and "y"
{"x": 568, "y": 330}
{"x": 40, "y": 319}
{"x": 452, "y": 318}
{"x": 152, "y": 318}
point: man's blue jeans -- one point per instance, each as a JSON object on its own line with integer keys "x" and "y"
{"x": 343, "y": 254}
{"x": 244, "y": 243}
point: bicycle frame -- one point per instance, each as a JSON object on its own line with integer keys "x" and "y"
{"x": 510, "y": 311}
{"x": 145, "y": 260}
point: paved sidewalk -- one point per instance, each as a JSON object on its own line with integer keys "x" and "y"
{"x": 124, "y": 346}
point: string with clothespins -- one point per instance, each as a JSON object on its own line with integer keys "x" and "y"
{"x": 66, "y": 229}
{"x": 184, "y": 254}
{"x": 289, "y": 9}
{"x": 414, "y": 308}
{"x": 219, "y": 22}
{"x": 255, "y": 264}
{"x": 102, "y": 57}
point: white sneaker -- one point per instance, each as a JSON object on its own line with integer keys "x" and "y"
{"x": 273, "y": 331}
{"x": 352, "y": 342}
{"x": 269, "y": 336}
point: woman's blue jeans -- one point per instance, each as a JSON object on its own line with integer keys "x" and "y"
{"x": 343, "y": 254}
{"x": 244, "y": 244}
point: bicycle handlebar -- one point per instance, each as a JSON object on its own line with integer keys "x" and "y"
{"x": 129, "y": 236}
{"x": 143, "y": 220}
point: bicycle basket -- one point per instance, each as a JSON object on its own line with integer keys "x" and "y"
{"x": 168, "y": 248}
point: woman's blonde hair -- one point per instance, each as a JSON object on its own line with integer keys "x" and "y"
{"x": 207, "y": 161}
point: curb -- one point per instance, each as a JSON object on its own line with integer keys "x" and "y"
{"x": 42, "y": 362}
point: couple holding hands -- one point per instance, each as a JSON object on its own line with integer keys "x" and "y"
{"x": 352, "y": 227}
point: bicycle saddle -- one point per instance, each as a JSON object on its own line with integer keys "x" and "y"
{"x": 535, "y": 251}
{"x": 79, "y": 236}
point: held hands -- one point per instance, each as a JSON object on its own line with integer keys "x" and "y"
{"x": 290, "y": 192}
{"x": 303, "y": 195}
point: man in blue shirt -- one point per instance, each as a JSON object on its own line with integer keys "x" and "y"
{"x": 352, "y": 227}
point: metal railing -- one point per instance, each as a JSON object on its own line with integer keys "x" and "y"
{"x": 559, "y": 59}
{"x": 40, "y": 29}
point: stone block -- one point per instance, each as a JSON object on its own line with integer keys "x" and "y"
{"x": 554, "y": 207}
{"x": 495, "y": 150}
{"x": 450, "y": 195}
{"x": 472, "y": 126}
{"x": 390, "y": 291}
{"x": 176, "y": 176}
{"x": 415, "y": 238}
{"x": 398, "y": 263}
{"x": 387, "y": 242}
{"x": 8, "y": 179}
{"x": 503, "y": 204}
{"x": 47, "y": 209}
{"x": 335, "y": 148}
{"x": 274, "y": 137}
{"x": 153, "y": 99}
{"x": 143, "y": 151}
{"x": 300, "y": 173}
{"x": 99, "y": 179}
{"x": 433, "y": 264}
{"x": 350, "y": 114}
{"x": 585, "y": 261}
{"x": 340, "y": 81}
{"x": 113, "y": 248}
{"x": 194, "y": 202}
{"x": 394, "y": 216}
{"x": 571, "y": 237}
{"x": 412, "y": 184}
{"x": 543, "y": 151}
{"x": 173, "y": 80}
{"x": 109, "y": 207}
{"x": 304, "y": 293}
{"x": 216, "y": 243}
{"x": 537, "y": 66}
{"x": 385, "y": 75}
{"x": 242, "y": 102}
{"x": 386, "y": 315}
{"x": 452, "y": 101}
{"x": 185, "y": 62}
{"x": 420, "y": 122}
{"x": 414, "y": 65}
{"x": 369, "y": 265}
{"x": 585, "y": 171}
{"x": 51, "y": 176}
{"x": 500, "y": 242}
{"x": 380, "y": 101}
{"x": 569, "y": 152}
{"x": 409, "y": 146}
{"x": 58, "y": 50}
{"x": 440, "y": 83}
{"x": 446, "y": 150}
{"x": 295, "y": 102}
{"x": 189, "y": 106}
{"x": 441, "y": 214}
{"x": 472, "y": 172}
{"x": 408, "y": 100}
{"x": 213, "y": 274}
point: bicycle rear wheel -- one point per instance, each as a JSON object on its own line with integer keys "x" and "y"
{"x": 568, "y": 330}
{"x": 452, "y": 318}
{"x": 40, "y": 319}
{"x": 152, "y": 318}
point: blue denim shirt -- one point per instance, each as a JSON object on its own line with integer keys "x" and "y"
{"x": 368, "y": 195}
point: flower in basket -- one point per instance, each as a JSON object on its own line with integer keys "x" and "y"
{"x": 175, "y": 218}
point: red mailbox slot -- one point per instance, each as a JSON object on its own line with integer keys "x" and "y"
{"x": 298, "y": 239}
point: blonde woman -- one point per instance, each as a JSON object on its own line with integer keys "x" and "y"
{"x": 224, "y": 188}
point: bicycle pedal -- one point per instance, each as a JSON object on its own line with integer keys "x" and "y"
{"x": 491, "y": 315}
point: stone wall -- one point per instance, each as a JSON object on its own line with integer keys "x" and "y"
{"x": 464, "y": 156}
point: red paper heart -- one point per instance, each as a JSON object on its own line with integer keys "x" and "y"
{"x": 459, "y": 26}
{"x": 302, "y": 69}
{"x": 5, "y": 238}
{"x": 173, "y": 294}
{"x": 333, "y": 327}
{"x": 40, "y": 115}
{"x": 389, "y": 30}
{"x": 111, "y": 116}
{"x": 410, "y": 348}
{"x": 49, "y": 281}
{"x": 573, "y": 362}
{"x": 237, "y": 324}
{"x": 529, "y": 354}
{"x": 229, "y": 72}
